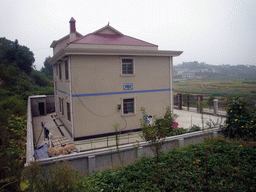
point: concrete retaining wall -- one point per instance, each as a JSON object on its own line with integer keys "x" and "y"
{"x": 30, "y": 136}
{"x": 110, "y": 158}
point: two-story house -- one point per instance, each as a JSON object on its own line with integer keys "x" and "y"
{"x": 105, "y": 77}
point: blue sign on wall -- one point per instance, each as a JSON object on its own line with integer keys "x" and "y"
{"x": 128, "y": 86}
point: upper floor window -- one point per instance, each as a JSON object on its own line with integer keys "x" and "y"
{"x": 56, "y": 69}
{"x": 127, "y": 67}
{"x": 66, "y": 70}
{"x": 60, "y": 74}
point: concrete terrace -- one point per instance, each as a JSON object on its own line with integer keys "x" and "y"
{"x": 185, "y": 119}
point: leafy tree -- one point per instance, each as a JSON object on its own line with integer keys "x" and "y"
{"x": 17, "y": 55}
{"x": 40, "y": 78}
{"x": 48, "y": 68}
{"x": 18, "y": 80}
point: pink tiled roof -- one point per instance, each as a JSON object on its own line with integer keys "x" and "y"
{"x": 111, "y": 39}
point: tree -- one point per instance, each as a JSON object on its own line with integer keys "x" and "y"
{"x": 48, "y": 68}
{"x": 17, "y": 55}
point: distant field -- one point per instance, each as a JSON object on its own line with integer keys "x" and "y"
{"x": 216, "y": 88}
{"x": 220, "y": 90}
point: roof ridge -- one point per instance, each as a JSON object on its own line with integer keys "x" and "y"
{"x": 141, "y": 40}
{"x": 110, "y": 27}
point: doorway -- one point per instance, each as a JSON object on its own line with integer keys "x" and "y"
{"x": 41, "y": 108}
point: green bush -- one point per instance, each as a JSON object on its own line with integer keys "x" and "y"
{"x": 214, "y": 165}
{"x": 195, "y": 128}
{"x": 12, "y": 152}
{"x": 240, "y": 122}
{"x": 61, "y": 176}
{"x": 156, "y": 132}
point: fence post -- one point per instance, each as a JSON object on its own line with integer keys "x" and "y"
{"x": 199, "y": 105}
{"x": 215, "y": 101}
{"x": 188, "y": 102}
{"x": 180, "y": 100}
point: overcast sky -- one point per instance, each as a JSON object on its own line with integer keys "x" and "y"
{"x": 212, "y": 31}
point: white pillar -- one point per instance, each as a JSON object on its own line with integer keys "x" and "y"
{"x": 215, "y": 101}
{"x": 171, "y": 83}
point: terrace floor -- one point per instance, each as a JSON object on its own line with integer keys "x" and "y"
{"x": 185, "y": 119}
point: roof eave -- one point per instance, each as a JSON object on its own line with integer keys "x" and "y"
{"x": 69, "y": 51}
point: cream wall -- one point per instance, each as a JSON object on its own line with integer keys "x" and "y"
{"x": 64, "y": 86}
{"x": 94, "y": 115}
{"x": 99, "y": 74}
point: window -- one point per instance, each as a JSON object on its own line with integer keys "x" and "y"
{"x": 60, "y": 76}
{"x": 128, "y": 106}
{"x": 56, "y": 69}
{"x": 68, "y": 112}
{"x": 61, "y": 106}
{"x": 127, "y": 66}
{"x": 66, "y": 70}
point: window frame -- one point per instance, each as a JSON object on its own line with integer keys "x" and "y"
{"x": 60, "y": 72}
{"x": 57, "y": 69}
{"x": 66, "y": 64}
{"x": 61, "y": 108}
{"x": 68, "y": 111}
{"x": 123, "y": 100}
{"x": 133, "y": 67}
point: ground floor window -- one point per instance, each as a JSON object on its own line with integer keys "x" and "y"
{"x": 68, "y": 112}
{"x": 61, "y": 105}
{"x": 128, "y": 106}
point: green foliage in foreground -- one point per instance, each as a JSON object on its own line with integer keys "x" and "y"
{"x": 241, "y": 121}
{"x": 214, "y": 165}
{"x": 12, "y": 152}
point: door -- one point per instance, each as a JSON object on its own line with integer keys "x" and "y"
{"x": 41, "y": 108}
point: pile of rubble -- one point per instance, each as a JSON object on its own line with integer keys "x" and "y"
{"x": 60, "y": 146}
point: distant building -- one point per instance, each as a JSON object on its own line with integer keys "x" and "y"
{"x": 105, "y": 77}
{"x": 188, "y": 75}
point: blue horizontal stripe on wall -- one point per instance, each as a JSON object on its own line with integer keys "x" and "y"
{"x": 63, "y": 92}
{"x": 118, "y": 93}
{"x": 114, "y": 93}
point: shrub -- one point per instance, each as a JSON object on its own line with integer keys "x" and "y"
{"x": 216, "y": 165}
{"x": 156, "y": 132}
{"x": 59, "y": 177}
{"x": 195, "y": 128}
{"x": 240, "y": 122}
{"x": 12, "y": 150}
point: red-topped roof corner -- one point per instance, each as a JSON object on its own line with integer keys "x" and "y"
{"x": 111, "y": 39}
{"x": 72, "y": 25}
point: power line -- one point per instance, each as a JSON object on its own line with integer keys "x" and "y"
{"x": 91, "y": 110}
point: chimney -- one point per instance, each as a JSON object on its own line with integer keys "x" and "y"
{"x": 72, "y": 34}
